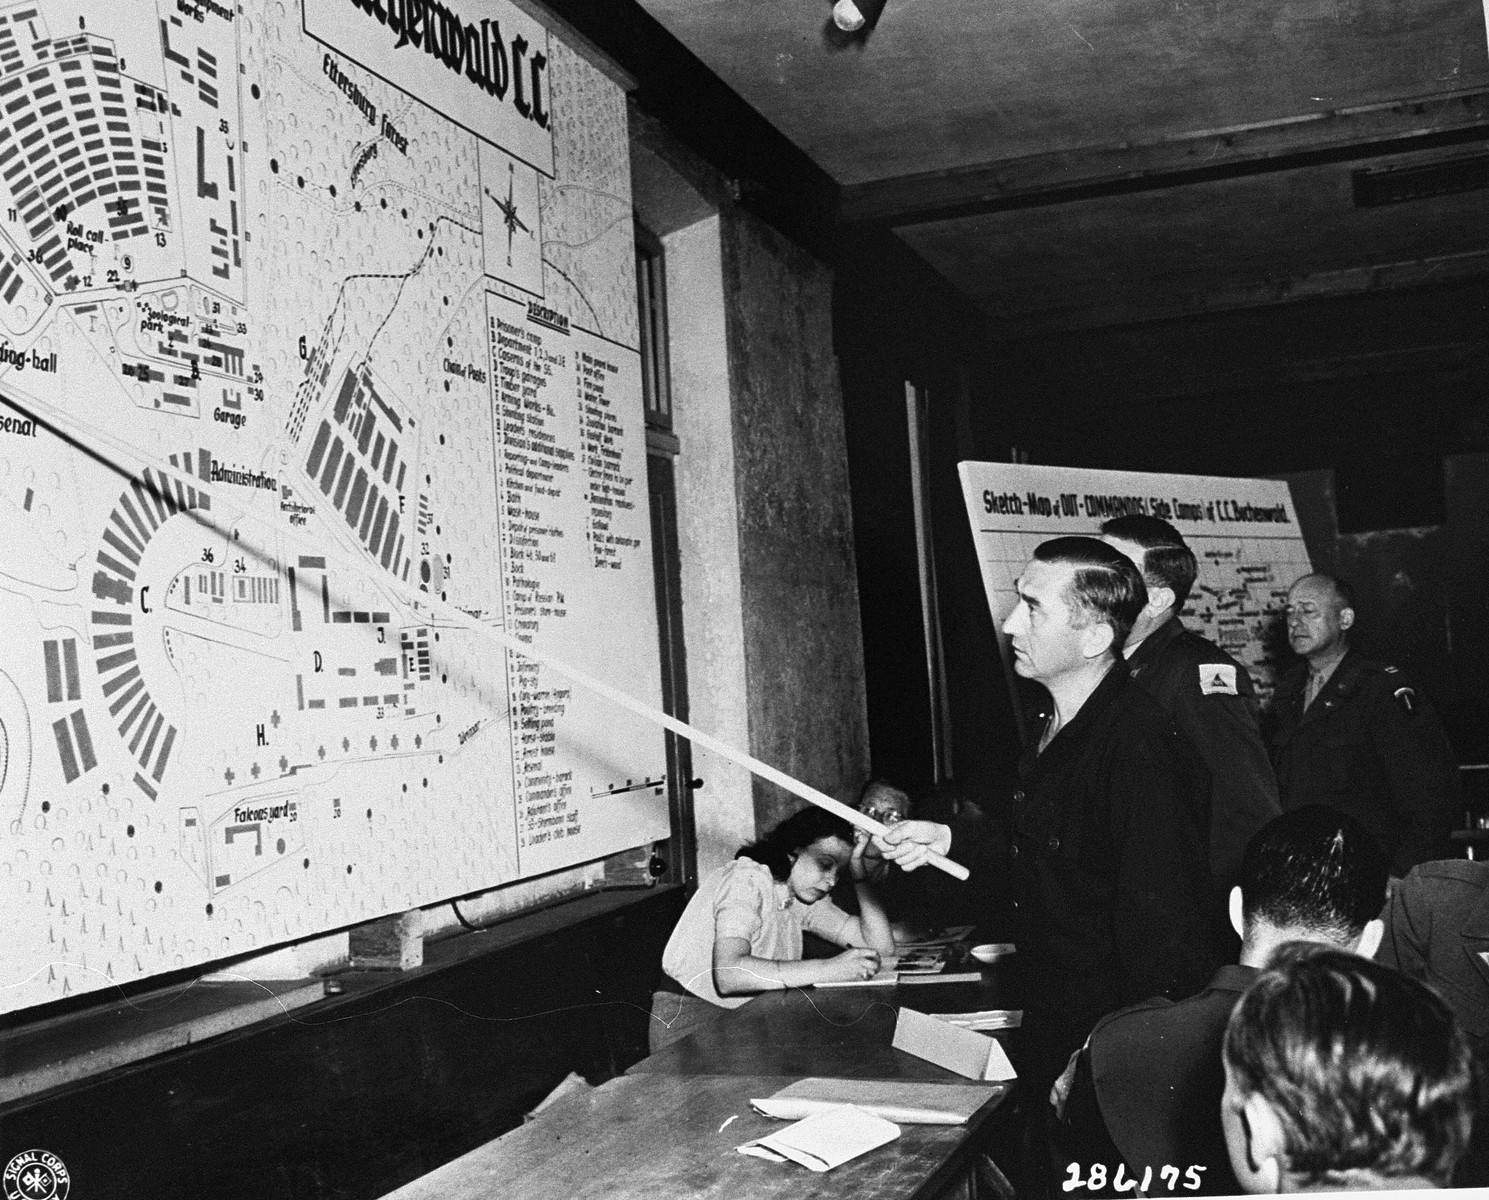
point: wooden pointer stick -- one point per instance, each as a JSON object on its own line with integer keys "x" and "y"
{"x": 80, "y": 433}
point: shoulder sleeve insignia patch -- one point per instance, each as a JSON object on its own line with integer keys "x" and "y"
{"x": 1407, "y": 698}
{"x": 1218, "y": 679}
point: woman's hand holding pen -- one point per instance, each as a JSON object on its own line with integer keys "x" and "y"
{"x": 853, "y": 965}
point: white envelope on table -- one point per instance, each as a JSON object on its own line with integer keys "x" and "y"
{"x": 825, "y": 1140}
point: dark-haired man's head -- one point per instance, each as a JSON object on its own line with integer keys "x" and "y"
{"x": 1078, "y": 598}
{"x": 1167, "y": 564}
{"x": 1341, "y": 1073}
{"x": 1312, "y": 874}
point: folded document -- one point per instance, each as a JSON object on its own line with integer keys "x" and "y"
{"x": 907, "y": 1101}
{"x": 826, "y": 1139}
{"x": 974, "y": 1055}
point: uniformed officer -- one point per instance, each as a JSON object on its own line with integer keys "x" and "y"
{"x": 1206, "y": 693}
{"x": 1355, "y": 734}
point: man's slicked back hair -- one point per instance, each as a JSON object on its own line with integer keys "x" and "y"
{"x": 1365, "y": 1068}
{"x": 1314, "y": 869}
{"x": 1106, "y": 587}
{"x": 1167, "y": 559}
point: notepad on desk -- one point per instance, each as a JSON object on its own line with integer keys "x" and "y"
{"x": 826, "y": 1139}
{"x": 905, "y": 1101}
{"x": 941, "y": 977}
{"x": 895, "y": 971}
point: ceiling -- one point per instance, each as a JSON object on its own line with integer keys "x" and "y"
{"x": 1073, "y": 166}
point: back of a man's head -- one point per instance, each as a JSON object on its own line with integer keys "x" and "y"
{"x": 1314, "y": 874}
{"x": 1105, "y": 587}
{"x": 1341, "y": 1072}
{"x": 1167, "y": 559}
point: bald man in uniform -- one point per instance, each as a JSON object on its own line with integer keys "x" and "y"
{"x": 1355, "y": 734}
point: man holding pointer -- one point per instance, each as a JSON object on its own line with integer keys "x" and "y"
{"x": 1108, "y": 829}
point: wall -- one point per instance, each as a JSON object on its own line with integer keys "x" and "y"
{"x": 769, "y": 591}
{"x": 896, "y": 320}
{"x": 708, "y": 536}
{"x": 804, "y": 653}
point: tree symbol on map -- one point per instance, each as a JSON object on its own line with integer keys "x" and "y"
{"x": 509, "y": 213}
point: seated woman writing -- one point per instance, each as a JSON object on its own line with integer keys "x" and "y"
{"x": 741, "y": 932}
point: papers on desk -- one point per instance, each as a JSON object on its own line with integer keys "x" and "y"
{"x": 908, "y": 1102}
{"x": 826, "y": 1139}
{"x": 949, "y": 936}
{"x": 942, "y": 977}
{"x": 923, "y": 965}
{"x": 887, "y": 976}
{"x": 926, "y": 960}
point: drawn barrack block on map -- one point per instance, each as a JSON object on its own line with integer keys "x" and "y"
{"x": 185, "y": 348}
{"x": 201, "y": 64}
{"x": 360, "y": 458}
{"x": 73, "y": 739}
{"x": 143, "y": 507}
{"x": 68, "y": 141}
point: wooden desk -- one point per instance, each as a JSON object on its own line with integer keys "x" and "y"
{"x": 663, "y": 1137}
{"x": 844, "y": 1033}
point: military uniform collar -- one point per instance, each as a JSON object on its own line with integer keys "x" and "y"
{"x": 1233, "y": 977}
{"x": 1344, "y": 680}
{"x": 1153, "y": 645}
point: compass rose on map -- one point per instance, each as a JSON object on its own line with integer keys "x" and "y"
{"x": 515, "y": 259}
{"x": 509, "y": 212}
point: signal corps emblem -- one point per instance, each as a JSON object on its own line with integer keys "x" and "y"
{"x": 35, "y": 1175}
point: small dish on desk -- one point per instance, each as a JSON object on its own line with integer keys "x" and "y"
{"x": 991, "y": 952}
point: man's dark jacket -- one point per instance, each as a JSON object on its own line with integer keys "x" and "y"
{"x": 1369, "y": 745}
{"x": 1437, "y": 931}
{"x": 1209, "y": 696}
{"x": 1109, "y": 868}
{"x": 1147, "y": 1089}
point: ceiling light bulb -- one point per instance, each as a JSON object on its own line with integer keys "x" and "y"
{"x": 847, "y": 16}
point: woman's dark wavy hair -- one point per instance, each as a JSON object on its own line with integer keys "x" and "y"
{"x": 793, "y": 835}
{"x": 1365, "y": 1068}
